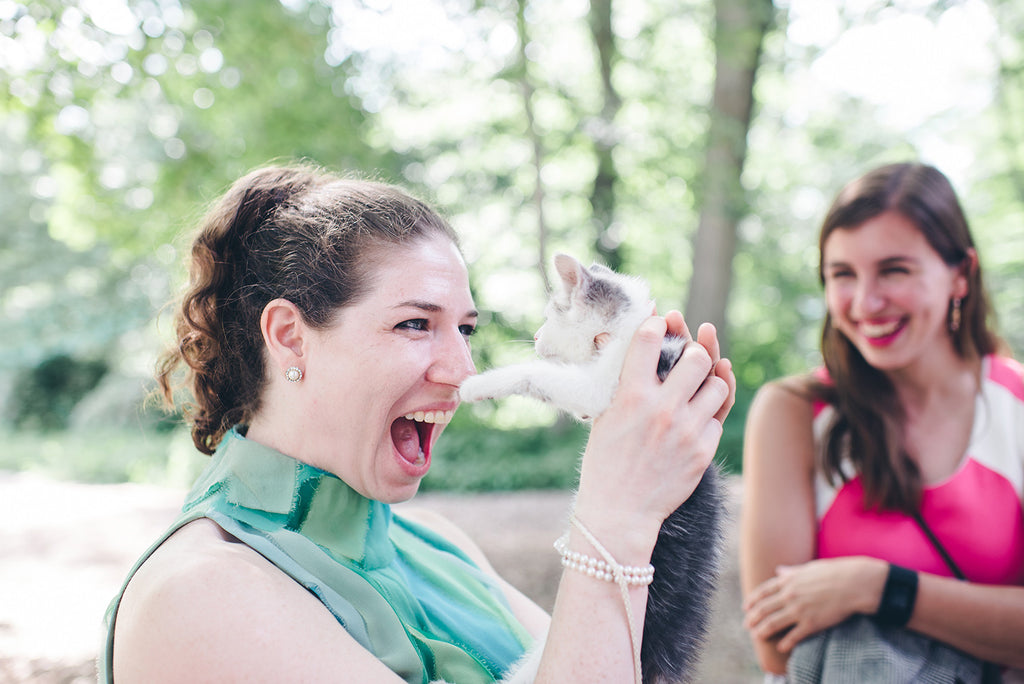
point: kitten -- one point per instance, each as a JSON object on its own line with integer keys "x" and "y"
{"x": 588, "y": 326}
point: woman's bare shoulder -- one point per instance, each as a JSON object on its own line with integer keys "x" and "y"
{"x": 790, "y": 395}
{"x": 205, "y": 603}
{"x": 779, "y": 428}
{"x": 197, "y": 561}
{"x": 198, "y": 578}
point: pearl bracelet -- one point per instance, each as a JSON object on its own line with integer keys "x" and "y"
{"x": 634, "y": 575}
{"x": 609, "y": 570}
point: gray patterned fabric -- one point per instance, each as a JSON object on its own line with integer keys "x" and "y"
{"x": 859, "y": 650}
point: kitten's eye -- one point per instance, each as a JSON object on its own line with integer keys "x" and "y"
{"x": 413, "y": 324}
{"x": 467, "y": 330}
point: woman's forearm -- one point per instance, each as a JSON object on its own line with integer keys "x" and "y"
{"x": 592, "y": 630}
{"x": 986, "y": 621}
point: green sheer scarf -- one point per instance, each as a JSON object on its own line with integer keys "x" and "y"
{"x": 403, "y": 592}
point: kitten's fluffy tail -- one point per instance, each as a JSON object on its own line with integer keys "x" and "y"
{"x": 687, "y": 559}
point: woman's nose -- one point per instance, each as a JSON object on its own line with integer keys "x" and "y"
{"x": 453, "y": 362}
{"x": 868, "y": 299}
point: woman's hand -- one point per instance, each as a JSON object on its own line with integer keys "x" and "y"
{"x": 648, "y": 451}
{"x": 804, "y": 599}
{"x": 707, "y": 337}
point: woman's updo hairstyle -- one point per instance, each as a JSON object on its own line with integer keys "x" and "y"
{"x": 296, "y": 233}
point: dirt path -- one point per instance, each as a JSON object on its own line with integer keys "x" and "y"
{"x": 65, "y": 549}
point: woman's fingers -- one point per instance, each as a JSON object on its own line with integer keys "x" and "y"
{"x": 723, "y": 370}
{"x": 707, "y": 337}
{"x": 690, "y": 372}
{"x": 676, "y": 324}
{"x": 645, "y": 348}
{"x": 767, "y": 612}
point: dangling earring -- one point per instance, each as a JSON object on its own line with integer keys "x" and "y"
{"x": 293, "y": 374}
{"x": 954, "y": 316}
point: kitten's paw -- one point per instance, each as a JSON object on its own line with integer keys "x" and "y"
{"x": 474, "y": 389}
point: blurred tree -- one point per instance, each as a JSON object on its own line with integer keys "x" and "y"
{"x": 118, "y": 121}
{"x": 522, "y": 69}
{"x": 529, "y": 122}
{"x": 740, "y": 28}
{"x": 604, "y": 132}
{"x": 1001, "y": 174}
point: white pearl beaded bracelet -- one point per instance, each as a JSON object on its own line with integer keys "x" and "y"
{"x": 633, "y": 575}
{"x": 608, "y": 570}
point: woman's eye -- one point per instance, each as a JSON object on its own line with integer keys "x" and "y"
{"x": 467, "y": 330}
{"x": 414, "y": 324}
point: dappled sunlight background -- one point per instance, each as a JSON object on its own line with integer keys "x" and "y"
{"x": 121, "y": 120}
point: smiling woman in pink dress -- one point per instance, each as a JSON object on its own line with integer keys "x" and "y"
{"x": 911, "y": 429}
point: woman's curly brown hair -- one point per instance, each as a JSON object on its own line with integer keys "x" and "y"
{"x": 291, "y": 232}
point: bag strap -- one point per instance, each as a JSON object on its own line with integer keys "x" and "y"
{"x": 938, "y": 546}
{"x": 991, "y": 673}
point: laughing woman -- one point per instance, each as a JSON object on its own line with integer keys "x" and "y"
{"x": 889, "y": 485}
{"x": 324, "y": 336}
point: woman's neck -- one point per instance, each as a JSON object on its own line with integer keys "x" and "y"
{"x": 936, "y": 378}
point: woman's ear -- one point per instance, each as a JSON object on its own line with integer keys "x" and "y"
{"x": 965, "y": 274}
{"x": 284, "y": 333}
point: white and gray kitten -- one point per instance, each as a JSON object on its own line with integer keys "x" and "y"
{"x": 589, "y": 323}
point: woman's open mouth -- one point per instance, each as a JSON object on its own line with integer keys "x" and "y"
{"x": 881, "y": 334}
{"x": 412, "y": 435}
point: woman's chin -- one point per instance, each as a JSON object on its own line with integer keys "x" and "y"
{"x": 403, "y": 478}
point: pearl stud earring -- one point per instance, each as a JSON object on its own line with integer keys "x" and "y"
{"x": 293, "y": 374}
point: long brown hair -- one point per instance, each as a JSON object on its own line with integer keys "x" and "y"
{"x": 867, "y": 427}
{"x": 292, "y": 232}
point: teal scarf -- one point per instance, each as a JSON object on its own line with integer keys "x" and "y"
{"x": 404, "y": 593}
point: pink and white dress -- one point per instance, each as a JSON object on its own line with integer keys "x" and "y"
{"x": 977, "y": 513}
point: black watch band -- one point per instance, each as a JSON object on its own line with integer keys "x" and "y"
{"x": 898, "y": 597}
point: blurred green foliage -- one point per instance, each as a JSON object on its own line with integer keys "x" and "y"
{"x": 473, "y": 455}
{"x": 120, "y": 121}
{"x": 48, "y": 392}
{"x": 104, "y": 455}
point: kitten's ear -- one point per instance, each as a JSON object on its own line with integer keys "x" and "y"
{"x": 601, "y": 339}
{"x": 570, "y": 271}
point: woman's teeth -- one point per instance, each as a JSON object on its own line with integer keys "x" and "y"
{"x": 879, "y": 329}
{"x": 442, "y": 417}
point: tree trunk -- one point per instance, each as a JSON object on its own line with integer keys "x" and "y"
{"x": 526, "y": 89}
{"x": 603, "y": 134}
{"x": 740, "y": 28}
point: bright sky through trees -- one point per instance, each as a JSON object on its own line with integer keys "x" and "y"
{"x": 914, "y": 69}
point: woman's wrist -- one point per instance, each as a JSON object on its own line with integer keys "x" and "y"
{"x": 628, "y": 536}
{"x": 899, "y": 594}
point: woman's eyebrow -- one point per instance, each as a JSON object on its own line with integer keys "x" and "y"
{"x": 887, "y": 261}
{"x": 430, "y": 307}
{"x": 893, "y": 260}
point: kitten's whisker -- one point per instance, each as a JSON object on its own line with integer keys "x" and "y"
{"x": 505, "y": 344}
